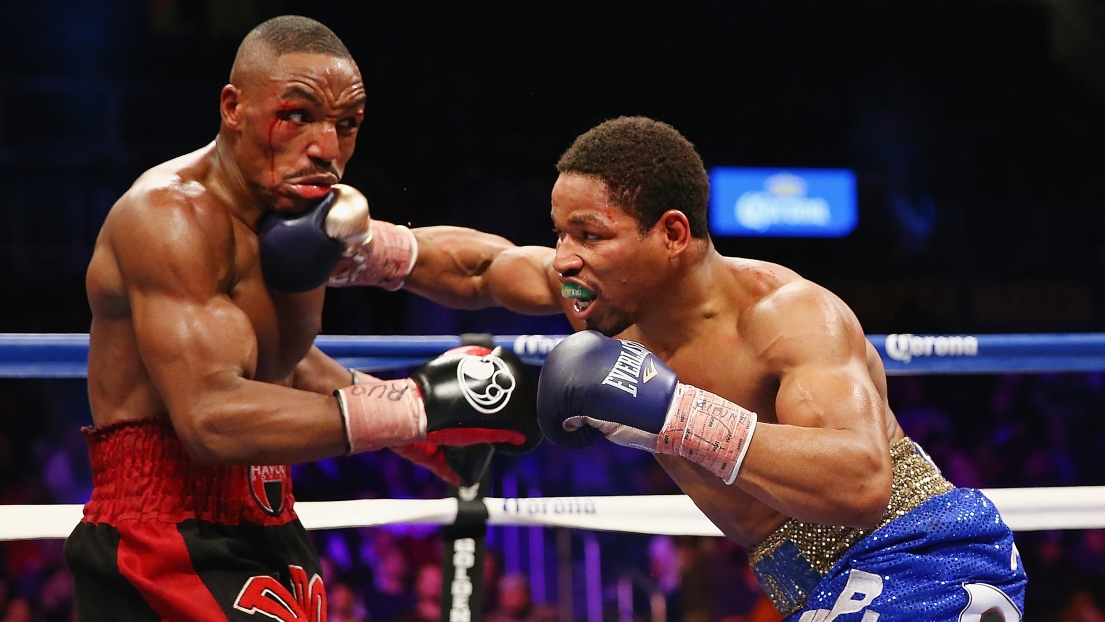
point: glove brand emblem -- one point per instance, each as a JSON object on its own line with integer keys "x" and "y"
{"x": 649, "y": 372}
{"x": 627, "y": 369}
{"x": 485, "y": 382}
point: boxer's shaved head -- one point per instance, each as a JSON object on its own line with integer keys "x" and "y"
{"x": 287, "y": 34}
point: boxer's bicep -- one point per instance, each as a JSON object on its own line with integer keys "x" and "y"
{"x": 814, "y": 345}
{"x": 832, "y": 454}
{"x": 826, "y": 456}
{"x": 195, "y": 343}
{"x": 828, "y": 395}
{"x": 192, "y": 349}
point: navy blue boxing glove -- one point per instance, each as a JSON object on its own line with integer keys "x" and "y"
{"x": 298, "y": 252}
{"x": 593, "y": 385}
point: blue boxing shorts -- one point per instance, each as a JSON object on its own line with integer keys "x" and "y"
{"x": 940, "y": 554}
{"x": 950, "y": 559}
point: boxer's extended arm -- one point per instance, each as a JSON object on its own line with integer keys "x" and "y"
{"x": 469, "y": 269}
{"x": 200, "y": 349}
{"x": 827, "y": 459}
{"x": 455, "y": 266}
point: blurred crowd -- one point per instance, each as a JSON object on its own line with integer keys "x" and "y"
{"x": 991, "y": 431}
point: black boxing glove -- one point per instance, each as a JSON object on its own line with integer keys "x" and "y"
{"x": 460, "y": 466}
{"x": 298, "y": 252}
{"x": 466, "y": 396}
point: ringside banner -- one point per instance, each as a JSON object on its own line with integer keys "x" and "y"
{"x": 767, "y": 202}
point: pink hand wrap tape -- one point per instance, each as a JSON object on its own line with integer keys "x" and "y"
{"x": 382, "y": 413}
{"x": 385, "y": 261}
{"x": 708, "y": 430}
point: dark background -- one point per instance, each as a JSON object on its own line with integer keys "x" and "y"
{"x": 975, "y": 129}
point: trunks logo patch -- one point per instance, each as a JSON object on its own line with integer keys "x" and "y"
{"x": 266, "y": 484}
{"x": 304, "y": 602}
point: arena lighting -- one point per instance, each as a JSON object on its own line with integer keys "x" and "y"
{"x": 767, "y": 202}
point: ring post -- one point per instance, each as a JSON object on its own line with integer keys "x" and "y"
{"x": 462, "y": 587}
{"x": 462, "y": 570}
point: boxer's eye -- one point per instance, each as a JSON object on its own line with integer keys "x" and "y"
{"x": 294, "y": 116}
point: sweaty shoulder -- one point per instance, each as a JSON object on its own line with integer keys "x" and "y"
{"x": 168, "y": 223}
{"x": 790, "y": 317}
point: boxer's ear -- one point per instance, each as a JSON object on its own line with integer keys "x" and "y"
{"x": 675, "y": 228}
{"x": 229, "y": 109}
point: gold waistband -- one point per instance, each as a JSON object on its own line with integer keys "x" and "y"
{"x": 793, "y": 559}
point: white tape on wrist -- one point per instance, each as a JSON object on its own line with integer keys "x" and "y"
{"x": 708, "y": 430}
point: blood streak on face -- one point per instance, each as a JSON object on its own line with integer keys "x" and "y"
{"x": 272, "y": 129}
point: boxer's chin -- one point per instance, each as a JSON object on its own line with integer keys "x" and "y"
{"x": 609, "y": 325}
{"x": 290, "y": 205}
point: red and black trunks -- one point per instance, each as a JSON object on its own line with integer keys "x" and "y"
{"x": 164, "y": 538}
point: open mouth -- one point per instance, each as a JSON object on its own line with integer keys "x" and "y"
{"x": 582, "y": 296}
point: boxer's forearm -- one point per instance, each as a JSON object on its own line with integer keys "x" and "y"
{"x": 250, "y": 422}
{"x": 831, "y": 477}
{"x": 319, "y": 373}
{"x": 468, "y": 269}
{"x": 452, "y": 266}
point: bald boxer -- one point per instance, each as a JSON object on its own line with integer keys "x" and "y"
{"x": 754, "y": 388}
{"x": 203, "y": 380}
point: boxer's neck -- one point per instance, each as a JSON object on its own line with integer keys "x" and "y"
{"x": 229, "y": 184}
{"x": 693, "y": 293}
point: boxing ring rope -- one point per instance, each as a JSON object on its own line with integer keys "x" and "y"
{"x": 65, "y": 355}
{"x": 1024, "y": 509}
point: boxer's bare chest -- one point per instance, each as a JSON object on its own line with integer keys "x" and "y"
{"x": 721, "y": 362}
{"x": 285, "y": 325}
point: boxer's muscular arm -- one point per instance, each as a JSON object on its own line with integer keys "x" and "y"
{"x": 319, "y": 373}
{"x": 467, "y": 269}
{"x": 200, "y": 348}
{"x": 827, "y": 460}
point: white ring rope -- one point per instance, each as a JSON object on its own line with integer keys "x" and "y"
{"x": 1024, "y": 509}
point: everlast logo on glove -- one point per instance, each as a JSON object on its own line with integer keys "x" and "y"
{"x": 627, "y": 369}
{"x": 266, "y": 484}
{"x": 486, "y": 382}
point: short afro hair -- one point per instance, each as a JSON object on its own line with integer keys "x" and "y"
{"x": 289, "y": 34}
{"x": 648, "y": 168}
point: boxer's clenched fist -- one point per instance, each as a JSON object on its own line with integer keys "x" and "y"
{"x": 591, "y": 384}
{"x": 466, "y": 396}
{"x": 299, "y": 251}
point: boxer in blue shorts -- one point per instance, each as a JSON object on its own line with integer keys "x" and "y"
{"x": 203, "y": 379}
{"x": 755, "y": 388}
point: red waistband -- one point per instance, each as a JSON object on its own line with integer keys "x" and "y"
{"x": 140, "y": 471}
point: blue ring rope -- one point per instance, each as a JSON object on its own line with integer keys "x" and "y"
{"x": 38, "y": 355}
